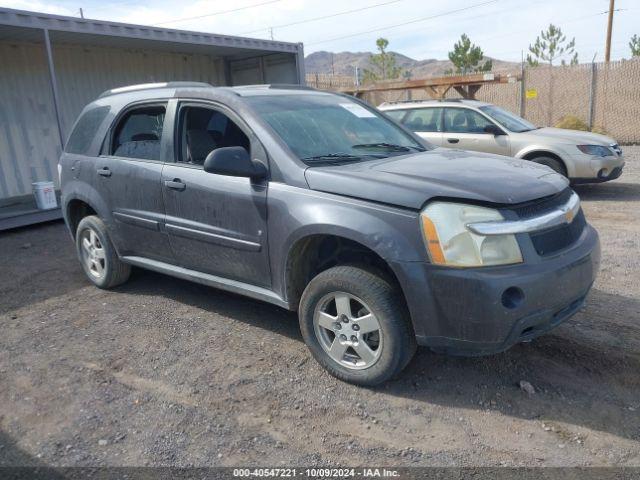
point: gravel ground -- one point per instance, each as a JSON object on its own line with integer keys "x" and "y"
{"x": 166, "y": 372}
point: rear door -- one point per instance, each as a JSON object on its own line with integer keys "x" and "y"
{"x": 464, "y": 128}
{"x": 129, "y": 173}
{"x": 426, "y": 122}
{"x": 217, "y": 224}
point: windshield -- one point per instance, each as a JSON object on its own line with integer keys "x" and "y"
{"x": 507, "y": 119}
{"x": 330, "y": 129}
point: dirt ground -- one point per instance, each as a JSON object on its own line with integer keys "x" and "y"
{"x": 166, "y": 372}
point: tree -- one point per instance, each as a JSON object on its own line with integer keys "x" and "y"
{"x": 383, "y": 64}
{"x": 466, "y": 57}
{"x": 550, "y": 45}
{"x": 634, "y": 45}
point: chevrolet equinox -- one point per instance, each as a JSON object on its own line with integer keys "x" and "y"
{"x": 320, "y": 204}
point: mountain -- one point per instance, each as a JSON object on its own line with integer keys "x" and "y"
{"x": 344, "y": 63}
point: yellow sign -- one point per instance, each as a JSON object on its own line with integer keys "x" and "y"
{"x": 529, "y": 94}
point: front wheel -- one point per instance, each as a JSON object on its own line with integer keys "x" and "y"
{"x": 356, "y": 325}
{"x": 553, "y": 163}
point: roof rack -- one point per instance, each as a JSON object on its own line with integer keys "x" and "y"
{"x": 271, "y": 86}
{"x": 429, "y": 100}
{"x": 150, "y": 86}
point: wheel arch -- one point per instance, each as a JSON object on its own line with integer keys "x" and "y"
{"x": 535, "y": 152}
{"x": 82, "y": 201}
{"x": 317, "y": 251}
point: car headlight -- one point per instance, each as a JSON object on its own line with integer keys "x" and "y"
{"x": 596, "y": 150}
{"x": 450, "y": 242}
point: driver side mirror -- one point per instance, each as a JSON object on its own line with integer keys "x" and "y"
{"x": 493, "y": 130}
{"x": 234, "y": 162}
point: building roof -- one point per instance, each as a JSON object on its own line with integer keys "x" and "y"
{"x": 20, "y": 25}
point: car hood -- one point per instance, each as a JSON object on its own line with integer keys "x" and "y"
{"x": 411, "y": 180}
{"x": 575, "y": 137}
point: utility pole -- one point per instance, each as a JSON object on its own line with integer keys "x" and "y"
{"x": 607, "y": 53}
{"x": 271, "y": 32}
{"x": 81, "y": 13}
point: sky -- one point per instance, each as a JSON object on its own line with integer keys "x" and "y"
{"x": 420, "y": 29}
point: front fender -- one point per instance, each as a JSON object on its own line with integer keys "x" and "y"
{"x": 295, "y": 213}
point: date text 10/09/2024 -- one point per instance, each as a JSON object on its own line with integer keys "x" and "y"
{"x": 316, "y": 472}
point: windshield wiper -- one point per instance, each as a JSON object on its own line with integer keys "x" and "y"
{"x": 388, "y": 146}
{"x": 334, "y": 158}
{"x": 331, "y": 155}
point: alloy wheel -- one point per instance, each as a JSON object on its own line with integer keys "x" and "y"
{"x": 93, "y": 254}
{"x": 348, "y": 331}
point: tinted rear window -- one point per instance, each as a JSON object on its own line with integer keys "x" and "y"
{"x": 85, "y": 130}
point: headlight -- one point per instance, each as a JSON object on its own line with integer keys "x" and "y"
{"x": 450, "y": 242}
{"x": 597, "y": 150}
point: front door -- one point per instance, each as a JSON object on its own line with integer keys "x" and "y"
{"x": 128, "y": 174}
{"x": 464, "y": 129}
{"x": 216, "y": 224}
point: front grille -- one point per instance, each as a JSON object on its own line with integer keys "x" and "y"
{"x": 558, "y": 238}
{"x": 539, "y": 207}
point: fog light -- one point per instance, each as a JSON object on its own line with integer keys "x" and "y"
{"x": 512, "y": 297}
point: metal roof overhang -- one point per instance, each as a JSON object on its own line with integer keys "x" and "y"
{"x": 19, "y": 25}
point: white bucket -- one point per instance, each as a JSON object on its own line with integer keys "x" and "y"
{"x": 45, "y": 194}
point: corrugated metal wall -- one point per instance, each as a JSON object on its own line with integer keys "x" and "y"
{"x": 274, "y": 68}
{"x": 85, "y": 72}
{"x": 29, "y": 144}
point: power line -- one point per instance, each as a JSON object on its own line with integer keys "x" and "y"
{"x": 322, "y": 17}
{"x": 422, "y": 19}
{"x": 221, "y": 12}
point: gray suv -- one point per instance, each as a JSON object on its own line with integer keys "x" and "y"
{"x": 319, "y": 204}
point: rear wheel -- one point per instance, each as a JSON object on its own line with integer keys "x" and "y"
{"x": 553, "y": 163}
{"x": 97, "y": 254}
{"x": 356, "y": 325}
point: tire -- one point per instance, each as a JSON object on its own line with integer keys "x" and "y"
{"x": 98, "y": 256}
{"x": 553, "y": 163}
{"x": 371, "y": 302}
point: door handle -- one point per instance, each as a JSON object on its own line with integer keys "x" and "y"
{"x": 105, "y": 172}
{"x": 175, "y": 184}
{"x": 453, "y": 140}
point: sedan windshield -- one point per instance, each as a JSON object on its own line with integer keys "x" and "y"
{"x": 330, "y": 129}
{"x": 507, "y": 119}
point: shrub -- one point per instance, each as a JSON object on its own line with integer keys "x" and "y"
{"x": 571, "y": 122}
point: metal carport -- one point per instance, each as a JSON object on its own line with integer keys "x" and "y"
{"x": 51, "y": 66}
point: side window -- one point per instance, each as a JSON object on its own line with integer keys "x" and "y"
{"x": 424, "y": 120}
{"x": 396, "y": 114}
{"x": 138, "y": 133}
{"x": 85, "y": 130}
{"x": 202, "y": 130}
{"x": 463, "y": 120}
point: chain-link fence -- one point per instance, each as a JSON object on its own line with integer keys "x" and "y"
{"x": 605, "y": 96}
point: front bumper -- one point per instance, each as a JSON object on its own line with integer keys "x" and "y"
{"x": 590, "y": 169}
{"x": 486, "y": 310}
